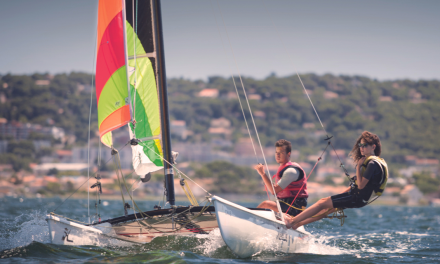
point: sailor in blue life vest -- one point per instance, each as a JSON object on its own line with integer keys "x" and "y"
{"x": 290, "y": 181}
{"x": 369, "y": 182}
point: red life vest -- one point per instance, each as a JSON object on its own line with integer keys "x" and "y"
{"x": 294, "y": 187}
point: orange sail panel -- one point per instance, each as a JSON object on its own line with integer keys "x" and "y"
{"x": 111, "y": 75}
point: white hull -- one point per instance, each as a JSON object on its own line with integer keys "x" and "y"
{"x": 247, "y": 232}
{"x": 65, "y": 232}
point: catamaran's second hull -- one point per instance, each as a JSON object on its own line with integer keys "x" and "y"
{"x": 65, "y": 232}
{"x": 133, "y": 228}
{"x": 247, "y": 232}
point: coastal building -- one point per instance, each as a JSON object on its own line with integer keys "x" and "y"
{"x": 412, "y": 195}
{"x": 209, "y": 93}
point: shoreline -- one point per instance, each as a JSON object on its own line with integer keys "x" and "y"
{"x": 237, "y": 198}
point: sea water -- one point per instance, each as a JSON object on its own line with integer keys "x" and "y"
{"x": 373, "y": 234}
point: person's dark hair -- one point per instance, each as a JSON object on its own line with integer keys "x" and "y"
{"x": 371, "y": 139}
{"x": 282, "y": 143}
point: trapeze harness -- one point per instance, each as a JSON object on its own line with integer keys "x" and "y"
{"x": 288, "y": 194}
{"x": 376, "y": 187}
{"x": 373, "y": 188}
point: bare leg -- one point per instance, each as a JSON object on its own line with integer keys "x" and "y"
{"x": 268, "y": 205}
{"x": 323, "y": 204}
{"x": 321, "y": 214}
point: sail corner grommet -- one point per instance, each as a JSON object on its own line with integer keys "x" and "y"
{"x": 134, "y": 141}
{"x": 114, "y": 151}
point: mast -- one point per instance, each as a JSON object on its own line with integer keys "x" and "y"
{"x": 163, "y": 97}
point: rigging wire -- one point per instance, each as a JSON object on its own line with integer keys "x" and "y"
{"x": 238, "y": 95}
{"x": 134, "y": 18}
{"x": 310, "y": 100}
{"x": 302, "y": 84}
{"x": 342, "y": 164}
{"x": 116, "y": 159}
{"x": 250, "y": 111}
{"x": 90, "y": 117}
{"x": 310, "y": 173}
{"x": 179, "y": 171}
{"x": 134, "y": 47}
{"x": 235, "y": 86}
{"x": 87, "y": 179}
{"x": 88, "y": 154}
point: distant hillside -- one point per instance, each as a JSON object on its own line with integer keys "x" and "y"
{"x": 404, "y": 113}
{"x": 62, "y": 100}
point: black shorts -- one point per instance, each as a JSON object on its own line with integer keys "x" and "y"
{"x": 347, "y": 200}
{"x": 299, "y": 203}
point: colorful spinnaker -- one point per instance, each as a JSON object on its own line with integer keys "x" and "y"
{"x": 131, "y": 55}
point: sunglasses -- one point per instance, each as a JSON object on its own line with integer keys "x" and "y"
{"x": 363, "y": 145}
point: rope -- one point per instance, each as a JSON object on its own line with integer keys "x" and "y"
{"x": 117, "y": 174}
{"x": 188, "y": 192}
{"x": 310, "y": 100}
{"x": 338, "y": 214}
{"x": 134, "y": 44}
{"x": 342, "y": 164}
{"x": 305, "y": 90}
{"x": 183, "y": 223}
{"x": 179, "y": 171}
{"x": 235, "y": 85}
{"x": 84, "y": 182}
{"x": 144, "y": 215}
{"x": 302, "y": 209}
{"x": 302, "y": 186}
{"x": 90, "y": 117}
{"x": 88, "y": 153}
{"x": 372, "y": 200}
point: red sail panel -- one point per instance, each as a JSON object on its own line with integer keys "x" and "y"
{"x": 111, "y": 54}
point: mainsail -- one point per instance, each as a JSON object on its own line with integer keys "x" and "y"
{"x": 131, "y": 55}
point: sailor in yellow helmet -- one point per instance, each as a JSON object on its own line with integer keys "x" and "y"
{"x": 369, "y": 182}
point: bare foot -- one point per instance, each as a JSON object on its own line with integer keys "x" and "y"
{"x": 288, "y": 220}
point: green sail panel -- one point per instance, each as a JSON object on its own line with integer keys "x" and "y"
{"x": 133, "y": 42}
{"x": 147, "y": 156}
{"x": 113, "y": 112}
{"x": 141, "y": 52}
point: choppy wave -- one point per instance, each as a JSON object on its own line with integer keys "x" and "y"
{"x": 365, "y": 238}
{"x": 24, "y": 230}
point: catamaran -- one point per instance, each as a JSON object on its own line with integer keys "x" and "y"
{"x": 131, "y": 91}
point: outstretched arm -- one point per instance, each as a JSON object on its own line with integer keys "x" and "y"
{"x": 260, "y": 169}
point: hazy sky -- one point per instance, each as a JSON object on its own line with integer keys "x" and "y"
{"x": 380, "y": 39}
